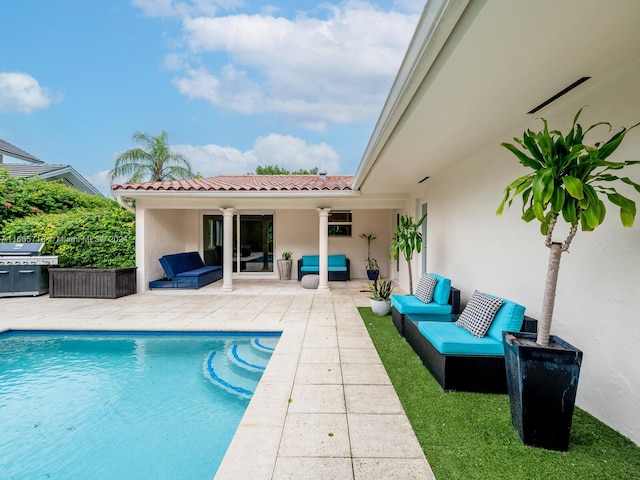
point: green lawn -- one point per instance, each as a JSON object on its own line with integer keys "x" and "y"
{"x": 469, "y": 435}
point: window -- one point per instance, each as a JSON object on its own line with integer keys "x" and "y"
{"x": 340, "y": 223}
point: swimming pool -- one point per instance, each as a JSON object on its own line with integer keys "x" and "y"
{"x": 133, "y": 405}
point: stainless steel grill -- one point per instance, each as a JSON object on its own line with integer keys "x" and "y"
{"x": 23, "y": 270}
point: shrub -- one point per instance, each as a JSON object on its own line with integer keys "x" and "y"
{"x": 100, "y": 238}
{"x": 22, "y": 197}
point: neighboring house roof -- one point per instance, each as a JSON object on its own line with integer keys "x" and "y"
{"x": 12, "y": 151}
{"x": 67, "y": 174}
{"x": 247, "y": 183}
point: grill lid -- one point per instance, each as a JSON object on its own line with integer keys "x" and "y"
{"x": 21, "y": 249}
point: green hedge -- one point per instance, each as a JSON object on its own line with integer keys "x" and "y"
{"x": 22, "y": 197}
{"x": 99, "y": 237}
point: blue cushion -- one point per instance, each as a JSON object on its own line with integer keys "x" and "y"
{"x": 312, "y": 268}
{"x": 407, "y": 304}
{"x": 338, "y": 261}
{"x": 442, "y": 290}
{"x": 197, "y": 272}
{"x": 310, "y": 260}
{"x": 450, "y": 339}
{"x": 509, "y": 318}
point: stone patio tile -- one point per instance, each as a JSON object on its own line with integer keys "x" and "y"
{"x": 359, "y": 355}
{"x": 319, "y": 373}
{"x": 372, "y": 399}
{"x": 317, "y": 399}
{"x": 355, "y": 342}
{"x": 364, "y": 374}
{"x": 310, "y": 468}
{"x": 320, "y": 355}
{"x": 382, "y": 436}
{"x": 392, "y": 469}
{"x": 315, "y": 435}
{"x": 260, "y": 463}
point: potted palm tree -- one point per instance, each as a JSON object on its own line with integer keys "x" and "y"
{"x": 407, "y": 239}
{"x": 380, "y": 296}
{"x": 568, "y": 181}
{"x": 372, "y": 264}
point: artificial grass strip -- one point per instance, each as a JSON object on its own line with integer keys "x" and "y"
{"x": 469, "y": 435}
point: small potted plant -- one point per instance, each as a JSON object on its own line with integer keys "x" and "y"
{"x": 372, "y": 264}
{"x": 284, "y": 266}
{"x": 380, "y": 296}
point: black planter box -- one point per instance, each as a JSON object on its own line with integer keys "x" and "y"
{"x": 91, "y": 282}
{"x": 542, "y": 384}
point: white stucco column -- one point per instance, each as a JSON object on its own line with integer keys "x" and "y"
{"x": 323, "y": 248}
{"x": 227, "y": 249}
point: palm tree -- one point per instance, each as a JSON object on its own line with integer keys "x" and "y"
{"x": 154, "y": 161}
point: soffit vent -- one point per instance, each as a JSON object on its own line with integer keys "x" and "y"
{"x": 559, "y": 94}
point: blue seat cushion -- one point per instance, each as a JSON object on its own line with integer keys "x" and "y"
{"x": 337, "y": 261}
{"x": 509, "y": 318}
{"x": 199, "y": 271}
{"x": 310, "y": 261}
{"x": 443, "y": 289}
{"x": 408, "y": 304}
{"x": 450, "y": 339}
{"x": 309, "y": 268}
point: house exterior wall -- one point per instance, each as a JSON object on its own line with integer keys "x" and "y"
{"x": 597, "y": 297}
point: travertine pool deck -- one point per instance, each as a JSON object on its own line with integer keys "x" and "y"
{"x": 324, "y": 409}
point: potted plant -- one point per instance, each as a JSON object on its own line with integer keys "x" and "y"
{"x": 407, "y": 239}
{"x": 372, "y": 264}
{"x": 284, "y": 266}
{"x": 568, "y": 181}
{"x": 380, "y": 296}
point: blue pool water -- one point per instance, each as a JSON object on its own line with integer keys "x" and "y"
{"x": 123, "y": 406}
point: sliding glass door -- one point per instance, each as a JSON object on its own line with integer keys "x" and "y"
{"x": 252, "y": 242}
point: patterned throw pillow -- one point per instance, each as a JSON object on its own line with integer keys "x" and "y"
{"x": 477, "y": 316}
{"x": 426, "y": 286}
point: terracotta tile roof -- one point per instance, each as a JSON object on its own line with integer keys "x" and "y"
{"x": 247, "y": 183}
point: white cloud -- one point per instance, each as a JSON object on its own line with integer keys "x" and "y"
{"x": 336, "y": 69}
{"x": 20, "y": 92}
{"x": 283, "y": 150}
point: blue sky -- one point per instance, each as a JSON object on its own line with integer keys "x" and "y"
{"x": 235, "y": 84}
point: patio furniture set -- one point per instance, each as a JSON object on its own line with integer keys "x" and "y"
{"x": 463, "y": 351}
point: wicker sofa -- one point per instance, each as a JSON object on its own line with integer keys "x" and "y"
{"x": 457, "y": 359}
{"x": 339, "y": 267}
{"x": 186, "y": 270}
{"x": 446, "y": 301}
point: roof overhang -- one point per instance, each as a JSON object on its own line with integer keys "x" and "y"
{"x": 475, "y": 68}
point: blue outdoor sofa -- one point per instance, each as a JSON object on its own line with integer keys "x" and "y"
{"x": 446, "y": 301}
{"x": 459, "y": 360}
{"x": 186, "y": 270}
{"x": 339, "y": 267}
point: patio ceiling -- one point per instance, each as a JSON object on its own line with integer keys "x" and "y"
{"x": 486, "y": 64}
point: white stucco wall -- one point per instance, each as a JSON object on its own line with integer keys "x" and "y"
{"x": 598, "y": 295}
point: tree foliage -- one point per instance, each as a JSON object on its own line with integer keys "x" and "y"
{"x": 21, "y": 197}
{"x": 276, "y": 170}
{"x": 153, "y": 161}
{"x": 407, "y": 239}
{"x": 82, "y": 229}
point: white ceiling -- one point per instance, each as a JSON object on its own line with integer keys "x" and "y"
{"x": 503, "y": 58}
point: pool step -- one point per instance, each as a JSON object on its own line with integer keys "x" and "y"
{"x": 238, "y": 369}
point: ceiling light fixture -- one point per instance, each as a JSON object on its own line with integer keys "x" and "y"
{"x": 559, "y": 94}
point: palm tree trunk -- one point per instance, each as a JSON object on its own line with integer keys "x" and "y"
{"x": 410, "y": 277}
{"x": 548, "y": 302}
